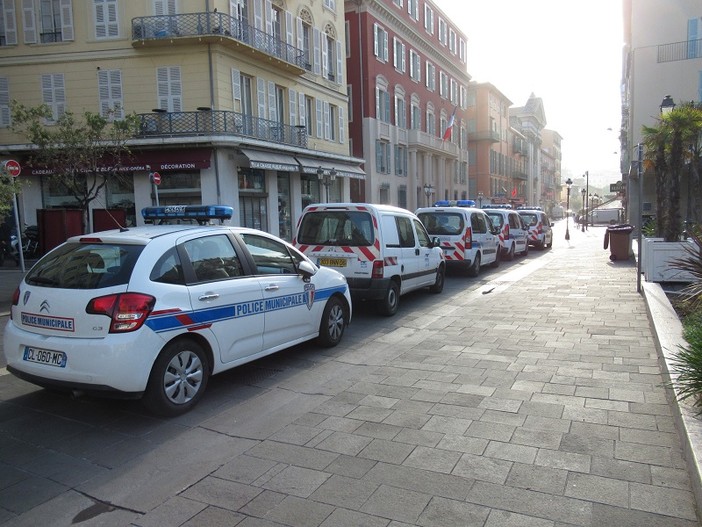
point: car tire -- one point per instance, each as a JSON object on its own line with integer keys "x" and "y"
{"x": 540, "y": 245}
{"x": 333, "y": 323}
{"x": 496, "y": 263}
{"x": 178, "y": 378}
{"x": 474, "y": 270}
{"x": 510, "y": 253}
{"x": 525, "y": 252}
{"x": 388, "y": 306}
{"x": 440, "y": 279}
{"x": 550, "y": 244}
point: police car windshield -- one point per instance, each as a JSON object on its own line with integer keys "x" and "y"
{"x": 438, "y": 223}
{"x": 337, "y": 227}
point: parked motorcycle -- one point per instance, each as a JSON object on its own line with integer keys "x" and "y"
{"x": 30, "y": 243}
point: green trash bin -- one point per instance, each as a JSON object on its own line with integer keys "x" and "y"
{"x": 618, "y": 238}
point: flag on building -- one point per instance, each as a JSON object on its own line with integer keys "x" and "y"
{"x": 449, "y": 125}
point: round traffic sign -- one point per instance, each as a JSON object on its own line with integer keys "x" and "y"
{"x": 13, "y": 167}
{"x": 156, "y": 178}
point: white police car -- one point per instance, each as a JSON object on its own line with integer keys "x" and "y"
{"x": 153, "y": 311}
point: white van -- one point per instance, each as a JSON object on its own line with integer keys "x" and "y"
{"x": 468, "y": 237}
{"x": 514, "y": 233}
{"x": 383, "y": 251}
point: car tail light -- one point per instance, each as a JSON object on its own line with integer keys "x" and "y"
{"x": 468, "y": 238}
{"x": 378, "y": 269}
{"x": 15, "y": 299}
{"x": 506, "y": 232}
{"x": 128, "y": 311}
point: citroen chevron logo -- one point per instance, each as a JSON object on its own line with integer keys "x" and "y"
{"x": 44, "y": 306}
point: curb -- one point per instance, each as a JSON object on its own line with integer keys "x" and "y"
{"x": 667, "y": 329}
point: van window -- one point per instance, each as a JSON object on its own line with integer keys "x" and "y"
{"x": 514, "y": 222}
{"x": 422, "y": 235}
{"x": 404, "y": 229}
{"x": 438, "y": 223}
{"x": 336, "y": 227}
{"x": 478, "y": 223}
{"x": 497, "y": 219}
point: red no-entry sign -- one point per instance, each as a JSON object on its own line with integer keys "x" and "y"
{"x": 13, "y": 167}
{"x": 156, "y": 178}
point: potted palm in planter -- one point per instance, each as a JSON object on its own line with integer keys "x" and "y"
{"x": 670, "y": 146}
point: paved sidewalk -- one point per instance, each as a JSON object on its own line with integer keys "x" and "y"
{"x": 536, "y": 399}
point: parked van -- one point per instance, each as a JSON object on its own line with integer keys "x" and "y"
{"x": 601, "y": 215}
{"x": 514, "y": 233}
{"x": 383, "y": 251}
{"x": 467, "y": 236}
{"x": 540, "y": 227}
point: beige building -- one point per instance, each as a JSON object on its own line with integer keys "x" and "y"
{"x": 550, "y": 180}
{"x": 241, "y": 102}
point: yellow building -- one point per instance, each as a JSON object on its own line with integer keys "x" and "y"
{"x": 241, "y": 102}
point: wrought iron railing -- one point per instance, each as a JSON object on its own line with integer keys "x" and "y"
{"x": 689, "y": 49}
{"x": 219, "y": 122}
{"x": 215, "y": 24}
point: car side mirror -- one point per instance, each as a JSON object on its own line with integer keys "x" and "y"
{"x": 306, "y": 270}
{"x": 436, "y": 241}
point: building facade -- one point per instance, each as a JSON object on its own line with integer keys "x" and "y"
{"x": 408, "y": 93}
{"x": 662, "y": 56}
{"x": 530, "y": 120}
{"x": 240, "y": 102}
{"x": 551, "y": 157}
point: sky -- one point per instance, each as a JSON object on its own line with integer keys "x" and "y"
{"x": 568, "y": 54}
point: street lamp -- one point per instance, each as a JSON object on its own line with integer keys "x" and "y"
{"x": 594, "y": 199}
{"x": 585, "y": 193}
{"x": 428, "y": 190}
{"x": 584, "y": 220}
{"x": 667, "y": 105}
{"x": 568, "y": 183}
{"x": 327, "y": 180}
{"x": 480, "y": 200}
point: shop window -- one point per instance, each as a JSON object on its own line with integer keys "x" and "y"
{"x": 310, "y": 189}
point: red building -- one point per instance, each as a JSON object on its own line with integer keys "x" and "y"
{"x": 408, "y": 100}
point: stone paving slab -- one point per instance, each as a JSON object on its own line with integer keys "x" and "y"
{"x": 530, "y": 397}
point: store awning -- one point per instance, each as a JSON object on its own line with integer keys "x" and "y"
{"x": 310, "y": 166}
{"x": 270, "y": 160}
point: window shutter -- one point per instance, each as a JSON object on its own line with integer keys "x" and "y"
{"x": 269, "y": 17}
{"x": 325, "y": 55}
{"x": 29, "y": 23}
{"x": 272, "y": 107}
{"x": 377, "y": 103}
{"x": 385, "y": 45}
{"x": 66, "y": 10}
{"x": 376, "y": 43}
{"x": 4, "y": 102}
{"x": 339, "y": 63}
{"x": 261, "y": 97}
{"x": 289, "y": 34}
{"x": 292, "y": 107}
{"x": 8, "y": 12}
{"x": 301, "y": 108}
{"x": 300, "y": 35}
{"x": 327, "y": 121}
{"x": 317, "y": 51}
{"x": 236, "y": 85}
{"x": 342, "y": 126}
{"x": 258, "y": 15}
{"x": 320, "y": 121}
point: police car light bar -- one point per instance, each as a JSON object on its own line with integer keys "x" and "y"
{"x": 455, "y": 203}
{"x": 199, "y": 213}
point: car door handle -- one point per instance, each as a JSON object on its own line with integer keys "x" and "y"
{"x": 208, "y": 296}
{"x": 416, "y": 252}
{"x": 272, "y": 287}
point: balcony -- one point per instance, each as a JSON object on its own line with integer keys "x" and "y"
{"x": 189, "y": 28}
{"x": 520, "y": 175}
{"x": 218, "y": 122}
{"x": 484, "y": 135}
{"x": 431, "y": 143}
{"x": 689, "y": 49}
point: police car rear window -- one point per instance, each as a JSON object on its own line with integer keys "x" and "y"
{"x": 85, "y": 266}
{"x": 438, "y": 223}
{"x": 337, "y": 227}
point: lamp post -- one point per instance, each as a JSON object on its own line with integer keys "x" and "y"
{"x": 584, "y": 220}
{"x": 327, "y": 180}
{"x": 594, "y": 202}
{"x": 480, "y": 200}
{"x": 586, "y": 175}
{"x": 568, "y": 183}
{"x": 428, "y": 190}
{"x": 667, "y": 105}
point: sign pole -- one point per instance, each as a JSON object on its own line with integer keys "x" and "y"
{"x": 20, "y": 252}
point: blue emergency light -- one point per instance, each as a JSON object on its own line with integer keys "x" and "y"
{"x": 455, "y": 203}
{"x": 199, "y": 213}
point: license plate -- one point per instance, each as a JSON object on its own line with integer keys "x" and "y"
{"x": 333, "y": 262}
{"x": 48, "y": 357}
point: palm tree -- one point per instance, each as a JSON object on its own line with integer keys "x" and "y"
{"x": 669, "y": 146}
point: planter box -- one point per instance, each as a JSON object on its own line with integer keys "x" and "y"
{"x": 657, "y": 257}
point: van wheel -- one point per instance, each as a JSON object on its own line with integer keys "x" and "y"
{"x": 391, "y": 302}
{"x": 331, "y": 327}
{"x": 440, "y": 279}
{"x": 474, "y": 270}
{"x": 525, "y": 252}
{"x": 178, "y": 378}
{"x": 510, "y": 254}
{"x": 496, "y": 263}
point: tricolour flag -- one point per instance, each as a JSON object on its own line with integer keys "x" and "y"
{"x": 449, "y": 125}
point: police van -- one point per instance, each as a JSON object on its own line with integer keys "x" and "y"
{"x": 383, "y": 251}
{"x": 468, "y": 238}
